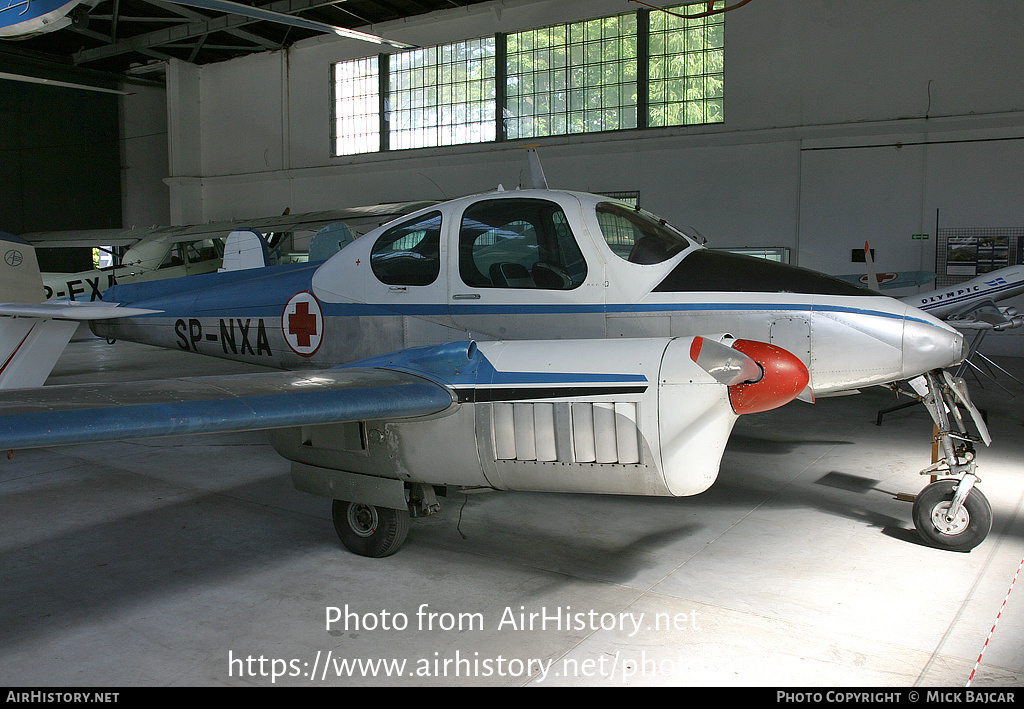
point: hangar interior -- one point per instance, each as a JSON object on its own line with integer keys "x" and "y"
{"x": 825, "y": 125}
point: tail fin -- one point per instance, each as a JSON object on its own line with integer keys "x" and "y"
{"x": 33, "y": 333}
{"x": 20, "y": 281}
{"x": 244, "y": 249}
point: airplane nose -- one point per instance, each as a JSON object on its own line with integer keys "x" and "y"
{"x": 929, "y": 344}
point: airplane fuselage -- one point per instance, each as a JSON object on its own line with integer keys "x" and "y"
{"x": 535, "y": 265}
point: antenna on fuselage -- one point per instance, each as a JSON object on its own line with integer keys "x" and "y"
{"x": 537, "y": 178}
{"x": 538, "y": 181}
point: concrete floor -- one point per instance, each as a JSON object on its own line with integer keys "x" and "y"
{"x": 192, "y": 561}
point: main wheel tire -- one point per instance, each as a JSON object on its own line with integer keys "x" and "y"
{"x": 369, "y": 530}
{"x": 970, "y": 527}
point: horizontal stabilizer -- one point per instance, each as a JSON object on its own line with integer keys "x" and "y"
{"x": 71, "y": 310}
{"x": 90, "y": 413}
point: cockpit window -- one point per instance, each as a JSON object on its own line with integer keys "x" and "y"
{"x": 636, "y": 236}
{"x": 409, "y": 254}
{"x": 519, "y": 243}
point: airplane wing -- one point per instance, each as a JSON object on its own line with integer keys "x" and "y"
{"x": 741, "y": 377}
{"x": 90, "y": 413}
{"x": 288, "y": 222}
{"x": 985, "y": 315}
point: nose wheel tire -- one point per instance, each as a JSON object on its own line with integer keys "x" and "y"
{"x": 961, "y": 532}
{"x": 369, "y": 530}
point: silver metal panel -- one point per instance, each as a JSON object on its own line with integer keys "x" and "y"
{"x": 526, "y": 443}
{"x": 626, "y": 433}
{"x": 504, "y": 432}
{"x": 583, "y": 433}
{"x": 604, "y": 433}
{"x": 565, "y": 450}
{"x": 352, "y": 487}
{"x": 544, "y": 431}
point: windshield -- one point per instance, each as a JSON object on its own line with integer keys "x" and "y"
{"x": 638, "y": 237}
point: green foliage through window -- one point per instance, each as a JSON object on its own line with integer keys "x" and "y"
{"x": 580, "y": 77}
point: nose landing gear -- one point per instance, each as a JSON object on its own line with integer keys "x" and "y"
{"x": 951, "y": 513}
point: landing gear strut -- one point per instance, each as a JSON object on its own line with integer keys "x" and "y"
{"x": 951, "y": 513}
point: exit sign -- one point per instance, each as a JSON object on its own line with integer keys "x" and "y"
{"x": 919, "y": 237}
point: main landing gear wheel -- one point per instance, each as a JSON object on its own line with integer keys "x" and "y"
{"x": 966, "y": 530}
{"x": 368, "y": 530}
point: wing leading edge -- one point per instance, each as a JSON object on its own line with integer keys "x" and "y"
{"x": 88, "y": 413}
{"x": 218, "y": 229}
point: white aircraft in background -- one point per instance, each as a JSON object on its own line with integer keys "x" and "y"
{"x": 173, "y": 251}
{"x": 534, "y": 340}
{"x": 971, "y": 305}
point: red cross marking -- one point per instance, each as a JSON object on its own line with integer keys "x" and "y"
{"x": 302, "y": 324}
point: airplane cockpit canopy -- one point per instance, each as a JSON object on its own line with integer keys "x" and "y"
{"x": 519, "y": 243}
{"x": 638, "y": 237}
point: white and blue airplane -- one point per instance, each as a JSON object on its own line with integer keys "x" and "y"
{"x": 533, "y": 340}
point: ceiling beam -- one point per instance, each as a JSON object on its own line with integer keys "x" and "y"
{"x": 193, "y": 30}
{"x": 194, "y": 16}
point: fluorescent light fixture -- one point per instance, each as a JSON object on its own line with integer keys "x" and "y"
{"x": 258, "y": 13}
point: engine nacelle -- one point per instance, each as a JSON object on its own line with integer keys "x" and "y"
{"x": 627, "y": 416}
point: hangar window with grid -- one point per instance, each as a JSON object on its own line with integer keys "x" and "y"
{"x": 574, "y": 78}
{"x": 356, "y": 126}
{"x": 442, "y": 95}
{"x": 640, "y": 69}
{"x": 686, "y": 70}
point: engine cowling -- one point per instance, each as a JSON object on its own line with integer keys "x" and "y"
{"x": 626, "y": 416}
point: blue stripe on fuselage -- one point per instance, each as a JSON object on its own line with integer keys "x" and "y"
{"x": 211, "y": 307}
{"x": 249, "y": 294}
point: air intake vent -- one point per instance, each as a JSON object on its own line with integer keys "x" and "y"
{"x": 603, "y": 432}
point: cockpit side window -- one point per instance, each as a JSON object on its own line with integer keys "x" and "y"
{"x": 637, "y": 237}
{"x": 409, "y": 254}
{"x": 519, "y": 243}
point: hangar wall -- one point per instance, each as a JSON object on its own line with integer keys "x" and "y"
{"x": 843, "y": 122}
